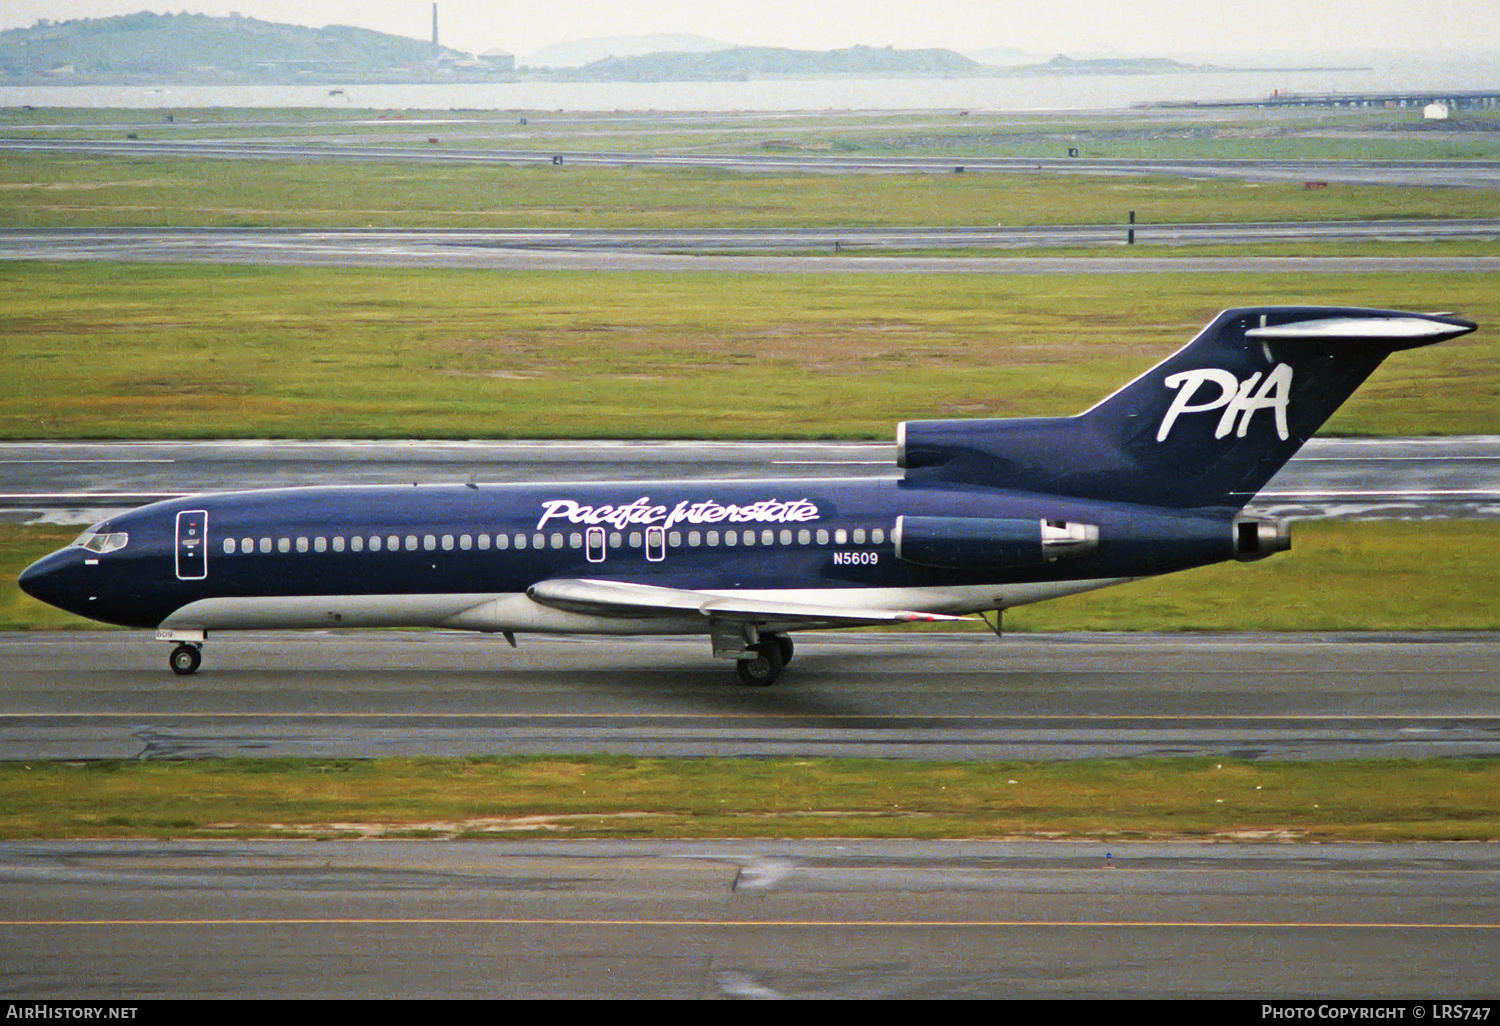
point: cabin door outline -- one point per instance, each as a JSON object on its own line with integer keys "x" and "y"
{"x": 192, "y": 545}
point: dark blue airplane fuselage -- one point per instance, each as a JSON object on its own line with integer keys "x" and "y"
{"x": 140, "y": 585}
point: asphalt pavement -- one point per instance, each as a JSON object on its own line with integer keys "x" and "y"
{"x": 1443, "y": 173}
{"x": 891, "y": 695}
{"x": 99, "y": 921}
{"x": 72, "y": 481}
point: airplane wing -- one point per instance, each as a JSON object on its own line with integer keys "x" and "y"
{"x": 624, "y": 599}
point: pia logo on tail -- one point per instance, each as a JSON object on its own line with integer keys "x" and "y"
{"x": 1199, "y": 391}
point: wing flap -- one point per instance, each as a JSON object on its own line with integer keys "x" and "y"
{"x": 625, "y": 599}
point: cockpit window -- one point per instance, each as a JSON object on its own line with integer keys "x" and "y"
{"x": 101, "y": 541}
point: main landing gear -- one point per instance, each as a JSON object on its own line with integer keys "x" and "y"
{"x": 766, "y": 660}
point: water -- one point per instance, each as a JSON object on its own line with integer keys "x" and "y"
{"x": 1070, "y": 92}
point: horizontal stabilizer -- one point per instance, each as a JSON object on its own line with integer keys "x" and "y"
{"x": 1407, "y": 332}
{"x": 622, "y": 598}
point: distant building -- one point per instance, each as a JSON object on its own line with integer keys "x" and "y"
{"x": 1435, "y": 111}
{"x": 498, "y": 60}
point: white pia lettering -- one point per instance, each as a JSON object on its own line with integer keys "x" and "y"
{"x": 1234, "y": 396}
{"x": 641, "y": 511}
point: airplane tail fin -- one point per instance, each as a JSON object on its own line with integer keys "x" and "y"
{"x": 1207, "y": 427}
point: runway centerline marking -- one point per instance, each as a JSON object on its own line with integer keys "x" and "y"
{"x": 857, "y": 924}
{"x": 937, "y": 717}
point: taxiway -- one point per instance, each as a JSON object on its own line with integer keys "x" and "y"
{"x": 122, "y": 921}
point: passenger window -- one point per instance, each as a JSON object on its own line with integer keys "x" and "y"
{"x": 247, "y": 545}
{"x": 615, "y": 539}
{"x": 320, "y": 544}
{"x": 822, "y": 536}
{"x": 713, "y": 537}
{"x": 859, "y": 536}
{"x": 877, "y": 536}
{"x": 804, "y": 537}
{"x": 694, "y": 539}
{"x": 557, "y": 539}
{"x": 749, "y": 538}
{"x": 338, "y": 543}
{"x": 357, "y": 543}
{"x": 448, "y": 543}
{"x": 731, "y": 538}
{"x": 374, "y": 543}
{"x": 675, "y": 539}
{"x": 265, "y": 545}
{"x": 786, "y": 536}
{"x": 465, "y": 543}
{"x": 411, "y": 543}
{"x": 768, "y": 537}
{"x": 500, "y": 540}
{"x": 429, "y": 543}
{"x": 228, "y": 546}
{"x": 539, "y": 541}
{"x": 301, "y": 544}
{"x": 840, "y": 536}
{"x": 635, "y": 539}
{"x": 283, "y": 545}
{"x": 393, "y": 542}
{"x": 520, "y": 541}
{"x": 575, "y": 540}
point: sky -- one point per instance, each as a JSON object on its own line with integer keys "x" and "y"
{"x": 1223, "y": 28}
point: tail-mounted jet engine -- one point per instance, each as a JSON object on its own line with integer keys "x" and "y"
{"x": 1256, "y": 538}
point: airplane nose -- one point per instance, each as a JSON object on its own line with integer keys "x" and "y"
{"x": 41, "y": 580}
{"x": 30, "y": 580}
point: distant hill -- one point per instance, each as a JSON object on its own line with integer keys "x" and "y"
{"x": 1000, "y": 56}
{"x": 579, "y": 52}
{"x": 747, "y": 62}
{"x": 1063, "y": 65}
{"x": 148, "y": 48}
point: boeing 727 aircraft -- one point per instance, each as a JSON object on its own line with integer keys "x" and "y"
{"x": 989, "y": 514}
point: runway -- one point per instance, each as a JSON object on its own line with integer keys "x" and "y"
{"x": 748, "y": 919}
{"x": 1441, "y": 173}
{"x": 77, "y": 481}
{"x": 810, "y": 251}
{"x": 909, "y": 695}
{"x": 456, "y": 247}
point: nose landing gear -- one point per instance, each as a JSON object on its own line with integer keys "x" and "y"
{"x": 187, "y": 655}
{"x": 185, "y": 659}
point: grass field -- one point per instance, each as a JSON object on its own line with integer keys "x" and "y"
{"x": 149, "y": 351}
{"x": 73, "y": 191}
{"x": 1158, "y": 799}
{"x": 1340, "y": 575}
{"x": 1281, "y": 134}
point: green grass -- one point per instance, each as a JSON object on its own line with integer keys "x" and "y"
{"x": 158, "y": 351}
{"x": 63, "y": 191}
{"x": 1392, "y": 800}
{"x": 1340, "y": 575}
{"x": 1317, "y": 134}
